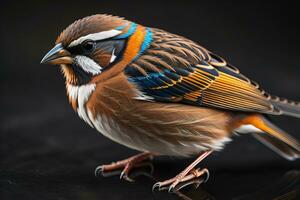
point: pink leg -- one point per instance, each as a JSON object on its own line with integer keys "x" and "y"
{"x": 126, "y": 164}
{"x": 187, "y": 174}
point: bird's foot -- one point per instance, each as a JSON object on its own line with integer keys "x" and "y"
{"x": 171, "y": 184}
{"x": 125, "y": 165}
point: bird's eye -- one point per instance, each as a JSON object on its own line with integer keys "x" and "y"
{"x": 88, "y": 46}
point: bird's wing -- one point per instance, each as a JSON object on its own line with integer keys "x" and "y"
{"x": 175, "y": 69}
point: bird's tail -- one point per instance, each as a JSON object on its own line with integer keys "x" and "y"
{"x": 286, "y": 107}
{"x": 272, "y": 136}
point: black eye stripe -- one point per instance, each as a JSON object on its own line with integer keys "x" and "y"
{"x": 116, "y": 45}
{"x": 77, "y": 48}
{"x": 82, "y": 76}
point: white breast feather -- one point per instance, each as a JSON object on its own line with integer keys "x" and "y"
{"x": 81, "y": 94}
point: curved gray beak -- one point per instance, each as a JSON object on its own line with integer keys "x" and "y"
{"x": 57, "y": 55}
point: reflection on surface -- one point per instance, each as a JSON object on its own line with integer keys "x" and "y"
{"x": 201, "y": 194}
{"x": 286, "y": 187}
{"x": 145, "y": 168}
{"x": 55, "y": 179}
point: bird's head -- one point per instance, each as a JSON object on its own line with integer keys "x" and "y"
{"x": 94, "y": 45}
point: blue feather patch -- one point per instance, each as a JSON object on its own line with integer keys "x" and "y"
{"x": 130, "y": 31}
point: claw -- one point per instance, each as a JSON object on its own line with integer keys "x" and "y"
{"x": 128, "y": 179}
{"x": 171, "y": 188}
{"x": 122, "y": 174}
{"x": 186, "y": 175}
{"x": 195, "y": 182}
{"x": 174, "y": 184}
{"x": 156, "y": 185}
{"x": 98, "y": 170}
{"x": 207, "y": 175}
{"x": 125, "y": 176}
{"x": 178, "y": 182}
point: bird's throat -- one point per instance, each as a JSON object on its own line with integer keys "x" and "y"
{"x": 75, "y": 75}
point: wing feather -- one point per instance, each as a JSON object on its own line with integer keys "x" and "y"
{"x": 175, "y": 69}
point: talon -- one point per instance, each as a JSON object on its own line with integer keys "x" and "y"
{"x": 183, "y": 180}
{"x": 188, "y": 174}
{"x": 156, "y": 185}
{"x": 207, "y": 174}
{"x": 128, "y": 179}
{"x": 122, "y": 174}
{"x": 171, "y": 188}
{"x": 173, "y": 185}
{"x": 126, "y": 164}
{"x": 125, "y": 176}
{"x": 98, "y": 170}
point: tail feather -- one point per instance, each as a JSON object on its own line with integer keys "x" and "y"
{"x": 275, "y": 138}
{"x": 286, "y": 107}
{"x": 278, "y": 146}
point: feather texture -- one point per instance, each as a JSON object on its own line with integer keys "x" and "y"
{"x": 175, "y": 69}
{"x": 163, "y": 93}
{"x": 180, "y": 130}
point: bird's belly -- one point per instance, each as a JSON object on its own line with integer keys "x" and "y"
{"x": 177, "y": 130}
{"x": 102, "y": 123}
{"x": 139, "y": 139}
{"x": 112, "y": 130}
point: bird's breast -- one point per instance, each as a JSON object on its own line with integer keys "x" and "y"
{"x": 78, "y": 97}
{"x": 97, "y": 105}
{"x": 115, "y": 110}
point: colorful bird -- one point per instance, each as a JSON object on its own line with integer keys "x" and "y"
{"x": 162, "y": 94}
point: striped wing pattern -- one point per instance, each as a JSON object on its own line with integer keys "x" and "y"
{"x": 175, "y": 69}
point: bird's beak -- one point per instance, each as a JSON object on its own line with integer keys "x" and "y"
{"x": 58, "y": 55}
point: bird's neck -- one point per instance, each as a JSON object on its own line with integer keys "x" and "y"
{"x": 138, "y": 42}
{"x": 79, "y": 94}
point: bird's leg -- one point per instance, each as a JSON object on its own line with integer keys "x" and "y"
{"x": 187, "y": 174}
{"x": 126, "y": 165}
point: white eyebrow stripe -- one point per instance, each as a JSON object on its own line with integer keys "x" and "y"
{"x": 96, "y": 36}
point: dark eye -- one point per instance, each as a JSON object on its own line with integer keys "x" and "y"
{"x": 88, "y": 46}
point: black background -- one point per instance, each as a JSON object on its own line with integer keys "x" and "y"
{"x": 47, "y": 152}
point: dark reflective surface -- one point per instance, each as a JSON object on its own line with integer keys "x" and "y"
{"x": 47, "y": 152}
{"x": 60, "y": 181}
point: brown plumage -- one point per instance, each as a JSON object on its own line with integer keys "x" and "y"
{"x": 88, "y": 25}
{"x": 162, "y": 94}
{"x": 139, "y": 122}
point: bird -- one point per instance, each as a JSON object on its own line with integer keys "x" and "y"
{"x": 162, "y": 94}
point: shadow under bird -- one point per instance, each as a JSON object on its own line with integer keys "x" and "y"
{"x": 162, "y": 94}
